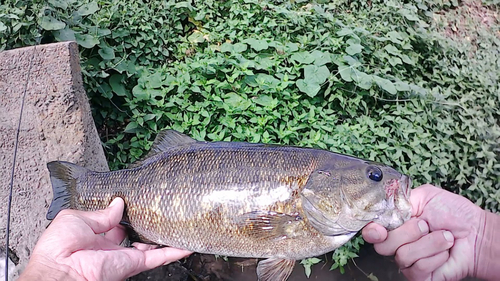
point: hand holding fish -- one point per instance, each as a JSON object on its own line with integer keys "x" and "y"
{"x": 447, "y": 238}
{"x": 73, "y": 248}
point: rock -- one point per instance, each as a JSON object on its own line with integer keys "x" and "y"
{"x": 56, "y": 125}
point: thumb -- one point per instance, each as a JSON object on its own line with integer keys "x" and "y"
{"x": 374, "y": 233}
{"x": 104, "y": 220}
{"x": 420, "y": 196}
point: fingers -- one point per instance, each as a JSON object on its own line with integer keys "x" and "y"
{"x": 374, "y": 233}
{"x": 162, "y": 256}
{"x": 104, "y": 220}
{"x": 144, "y": 247}
{"x": 116, "y": 235}
{"x": 410, "y": 231}
{"x": 424, "y": 268}
{"x": 429, "y": 245}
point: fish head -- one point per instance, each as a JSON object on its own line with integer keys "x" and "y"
{"x": 385, "y": 196}
{"x": 344, "y": 197}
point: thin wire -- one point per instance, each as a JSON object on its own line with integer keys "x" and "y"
{"x": 7, "y": 231}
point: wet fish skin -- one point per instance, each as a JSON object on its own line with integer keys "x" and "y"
{"x": 240, "y": 199}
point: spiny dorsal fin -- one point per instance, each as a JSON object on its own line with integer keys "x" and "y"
{"x": 164, "y": 140}
{"x": 274, "y": 269}
{"x": 170, "y": 138}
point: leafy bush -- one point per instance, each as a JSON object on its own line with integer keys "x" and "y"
{"x": 406, "y": 84}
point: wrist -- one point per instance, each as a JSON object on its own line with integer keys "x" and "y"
{"x": 40, "y": 269}
{"x": 487, "y": 248}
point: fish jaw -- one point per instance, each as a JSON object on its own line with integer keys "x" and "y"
{"x": 399, "y": 208}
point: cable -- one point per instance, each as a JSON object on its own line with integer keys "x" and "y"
{"x": 16, "y": 143}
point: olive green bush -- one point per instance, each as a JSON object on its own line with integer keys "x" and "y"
{"x": 412, "y": 84}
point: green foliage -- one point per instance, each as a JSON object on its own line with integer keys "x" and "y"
{"x": 342, "y": 255}
{"x": 405, "y": 83}
{"x": 307, "y": 263}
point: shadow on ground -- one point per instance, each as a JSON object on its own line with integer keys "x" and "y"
{"x": 207, "y": 268}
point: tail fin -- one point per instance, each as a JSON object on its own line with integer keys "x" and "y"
{"x": 63, "y": 176}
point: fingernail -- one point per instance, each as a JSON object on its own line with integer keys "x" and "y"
{"x": 424, "y": 228}
{"x": 448, "y": 236}
{"x": 374, "y": 234}
{"x": 113, "y": 202}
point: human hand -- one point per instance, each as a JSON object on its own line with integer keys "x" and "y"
{"x": 72, "y": 247}
{"x": 438, "y": 242}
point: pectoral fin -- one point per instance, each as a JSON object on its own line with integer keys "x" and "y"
{"x": 270, "y": 225}
{"x": 274, "y": 269}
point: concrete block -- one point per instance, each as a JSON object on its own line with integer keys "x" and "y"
{"x": 56, "y": 125}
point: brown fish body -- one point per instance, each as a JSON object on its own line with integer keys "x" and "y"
{"x": 242, "y": 199}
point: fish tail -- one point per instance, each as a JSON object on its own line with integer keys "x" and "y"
{"x": 63, "y": 176}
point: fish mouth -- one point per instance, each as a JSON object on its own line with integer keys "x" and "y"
{"x": 397, "y": 190}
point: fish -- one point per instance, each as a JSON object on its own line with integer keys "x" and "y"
{"x": 272, "y": 202}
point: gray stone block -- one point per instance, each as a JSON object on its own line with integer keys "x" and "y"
{"x": 56, "y": 125}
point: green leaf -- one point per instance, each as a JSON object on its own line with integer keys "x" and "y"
{"x": 291, "y": 47}
{"x": 354, "y": 49}
{"x": 50, "y": 23}
{"x": 257, "y": 45}
{"x": 239, "y": 47}
{"x": 155, "y": 81}
{"x": 115, "y": 81}
{"x": 392, "y": 50}
{"x": 2, "y": 27}
{"x": 395, "y": 37}
{"x": 266, "y": 100}
{"x": 307, "y": 263}
{"x": 406, "y": 59}
{"x": 63, "y": 4}
{"x": 321, "y": 58}
{"x": 140, "y": 93}
{"x": 233, "y": 48}
{"x": 345, "y": 72}
{"x": 395, "y": 61}
{"x": 372, "y": 277}
{"x": 302, "y": 57}
{"x": 88, "y": 9}
{"x": 363, "y": 80}
{"x": 131, "y": 127}
{"x": 86, "y": 40}
{"x": 65, "y": 34}
{"x": 352, "y": 61}
{"x": 315, "y": 74}
{"x": 345, "y": 31}
{"x": 196, "y": 37}
{"x": 411, "y": 17}
{"x": 266, "y": 81}
{"x": 385, "y": 84}
{"x": 310, "y": 88}
{"x": 226, "y": 48}
{"x": 106, "y": 52}
{"x": 150, "y": 116}
{"x": 402, "y": 86}
{"x": 236, "y": 101}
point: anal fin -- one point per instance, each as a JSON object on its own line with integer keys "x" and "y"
{"x": 274, "y": 269}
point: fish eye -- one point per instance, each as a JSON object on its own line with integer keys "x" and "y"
{"x": 374, "y": 173}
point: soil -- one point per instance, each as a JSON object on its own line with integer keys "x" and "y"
{"x": 199, "y": 267}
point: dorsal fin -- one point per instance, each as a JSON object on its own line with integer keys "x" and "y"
{"x": 169, "y": 138}
{"x": 164, "y": 140}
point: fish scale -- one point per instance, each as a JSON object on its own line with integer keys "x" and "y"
{"x": 282, "y": 203}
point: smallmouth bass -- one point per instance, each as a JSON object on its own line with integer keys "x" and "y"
{"x": 281, "y": 203}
